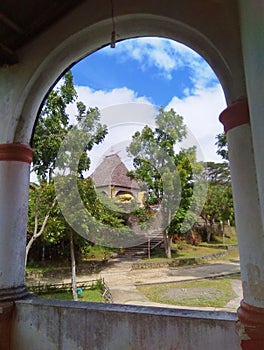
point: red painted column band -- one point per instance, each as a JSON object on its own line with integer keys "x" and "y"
{"x": 235, "y": 115}
{"x": 16, "y": 152}
{"x": 251, "y": 326}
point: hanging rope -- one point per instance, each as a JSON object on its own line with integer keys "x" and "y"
{"x": 113, "y": 35}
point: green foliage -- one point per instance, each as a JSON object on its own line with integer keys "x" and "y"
{"x": 96, "y": 252}
{"x": 221, "y": 143}
{"x": 43, "y": 194}
{"x": 217, "y": 173}
{"x": 102, "y": 208}
{"x": 167, "y": 176}
{"x": 98, "y": 285}
{"x": 52, "y": 129}
{"x": 219, "y": 202}
{"x": 92, "y": 294}
{"x": 183, "y": 251}
{"x": 80, "y": 139}
{"x": 95, "y": 219}
{"x": 53, "y": 125}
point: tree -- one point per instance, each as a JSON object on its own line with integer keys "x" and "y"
{"x": 217, "y": 173}
{"x": 53, "y": 124}
{"x": 52, "y": 128}
{"x": 219, "y": 202}
{"x": 167, "y": 176}
{"x": 221, "y": 143}
{"x": 42, "y": 201}
{"x": 73, "y": 266}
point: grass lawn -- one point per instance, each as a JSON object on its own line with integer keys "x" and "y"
{"x": 232, "y": 255}
{"x": 229, "y": 238}
{"x": 186, "y": 251}
{"x": 88, "y": 295}
{"x": 210, "y": 292}
{"x": 182, "y": 250}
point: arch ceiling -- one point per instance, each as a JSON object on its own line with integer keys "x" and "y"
{"x": 39, "y": 44}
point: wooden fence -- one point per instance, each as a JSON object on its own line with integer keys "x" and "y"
{"x": 41, "y": 288}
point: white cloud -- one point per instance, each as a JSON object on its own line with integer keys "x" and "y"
{"x": 203, "y": 102}
{"x": 149, "y": 52}
{"x": 167, "y": 56}
{"x": 103, "y": 99}
{"x": 125, "y": 112}
{"x": 200, "y": 114}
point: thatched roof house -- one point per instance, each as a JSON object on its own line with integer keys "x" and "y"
{"x": 111, "y": 177}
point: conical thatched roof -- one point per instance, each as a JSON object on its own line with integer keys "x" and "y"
{"x": 112, "y": 171}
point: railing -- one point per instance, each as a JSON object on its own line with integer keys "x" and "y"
{"x": 46, "y": 288}
{"x": 107, "y": 293}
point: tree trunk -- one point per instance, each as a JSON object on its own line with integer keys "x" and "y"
{"x": 37, "y": 233}
{"x": 29, "y": 245}
{"x": 149, "y": 248}
{"x": 73, "y": 268}
{"x": 209, "y": 232}
{"x": 167, "y": 238}
{"x": 167, "y": 244}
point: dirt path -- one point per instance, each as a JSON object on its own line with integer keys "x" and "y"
{"x": 122, "y": 279}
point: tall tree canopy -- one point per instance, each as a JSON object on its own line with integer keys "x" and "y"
{"x": 167, "y": 175}
{"x": 53, "y": 126}
{"x": 218, "y": 206}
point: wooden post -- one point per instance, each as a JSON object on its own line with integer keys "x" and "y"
{"x": 149, "y": 248}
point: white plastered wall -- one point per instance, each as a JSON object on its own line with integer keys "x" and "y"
{"x": 89, "y": 27}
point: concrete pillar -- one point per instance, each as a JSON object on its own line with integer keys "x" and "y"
{"x": 252, "y": 39}
{"x": 15, "y": 161}
{"x": 248, "y": 224}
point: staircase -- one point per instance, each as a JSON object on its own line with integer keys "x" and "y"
{"x": 153, "y": 241}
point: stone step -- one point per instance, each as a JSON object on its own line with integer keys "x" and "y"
{"x": 142, "y": 249}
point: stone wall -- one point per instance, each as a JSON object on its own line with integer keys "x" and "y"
{"x": 86, "y": 268}
{"x": 52, "y": 324}
{"x": 141, "y": 264}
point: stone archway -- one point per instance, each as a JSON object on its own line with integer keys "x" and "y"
{"x": 82, "y": 41}
{"x": 45, "y": 59}
{"x": 87, "y": 28}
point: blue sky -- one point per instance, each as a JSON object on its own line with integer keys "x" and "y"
{"x": 153, "y": 71}
{"x": 156, "y": 68}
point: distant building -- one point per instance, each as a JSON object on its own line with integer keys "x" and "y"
{"x": 111, "y": 178}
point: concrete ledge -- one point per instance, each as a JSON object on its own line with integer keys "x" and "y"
{"x": 54, "y": 324}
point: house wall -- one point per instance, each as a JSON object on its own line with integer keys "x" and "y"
{"x": 48, "y": 324}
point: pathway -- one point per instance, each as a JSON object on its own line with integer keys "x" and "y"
{"x": 122, "y": 279}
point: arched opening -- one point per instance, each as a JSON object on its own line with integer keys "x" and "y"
{"x": 119, "y": 191}
{"x": 122, "y": 192}
{"x": 42, "y": 61}
{"x": 90, "y": 39}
